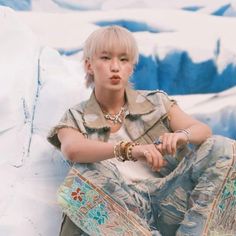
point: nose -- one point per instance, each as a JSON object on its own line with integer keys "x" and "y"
{"x": 115, "y": 65}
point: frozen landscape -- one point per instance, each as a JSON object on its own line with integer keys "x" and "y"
{"x": 187, "y": 49}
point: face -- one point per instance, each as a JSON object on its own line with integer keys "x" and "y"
{"x": 111, "y": 70}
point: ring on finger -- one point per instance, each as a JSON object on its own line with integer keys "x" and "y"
{"x": 158, "y": 141}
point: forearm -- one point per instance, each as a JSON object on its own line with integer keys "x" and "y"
{"x": 179, "y": 120}
{"x": 198, "y": 133}
{"x": 87, "y": 151}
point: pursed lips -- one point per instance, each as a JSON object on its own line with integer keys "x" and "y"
{"x": 115, "y": 77}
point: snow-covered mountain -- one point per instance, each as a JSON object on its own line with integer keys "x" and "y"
{"x": 184, "y": 49}
{"x": 212, "y": 7}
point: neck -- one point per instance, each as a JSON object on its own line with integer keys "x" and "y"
{"x": 111, "y": 101}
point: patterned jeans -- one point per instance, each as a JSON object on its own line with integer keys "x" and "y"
{"x": 177, "y": 204}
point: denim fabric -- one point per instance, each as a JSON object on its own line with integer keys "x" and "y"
{"x": 179, "y": 200}
{"x": 178, "y": 204}
{"x": 182, "y": 200}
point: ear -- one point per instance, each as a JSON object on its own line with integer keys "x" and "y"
{"x": 88, "y": 67}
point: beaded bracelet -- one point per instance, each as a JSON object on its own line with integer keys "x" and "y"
{"x": 119, "y": 151}
{"x": 129, "y": 152}
{"x": 116, "y": 150}
{"x": 123, "y": 151}
{"x": 186, "y": 132}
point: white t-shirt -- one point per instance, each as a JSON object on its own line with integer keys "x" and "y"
{"x": 130, "y": 170}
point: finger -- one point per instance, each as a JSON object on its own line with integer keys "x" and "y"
{"x": 158, "y": 140}
{"x": 174, "y": 144}
{"x": 171, "y": 144}
{"x": 161, "y": 162}
{"x": 164, "y": 162}
{"x": 158, "y": 148}
{"x": 148, "y": 157}
{"x": 154, "y": 161}
{"x": 158, "y": 160}
{"x": 159, "y": 145}
{"x": 166, "y": 143}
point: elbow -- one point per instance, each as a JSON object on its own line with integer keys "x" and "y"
{"x": 206, "y": 133}
{"x": 70, "y": 152}
{"x": 209, "y": 132}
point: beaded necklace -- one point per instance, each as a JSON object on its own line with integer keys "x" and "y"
{"x": 116, "y": 118}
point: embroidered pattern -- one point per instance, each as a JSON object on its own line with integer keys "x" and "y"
{"x": 223, "y": 221}
{"x": 77, "y": 195}
{"x": 94, "y": 211}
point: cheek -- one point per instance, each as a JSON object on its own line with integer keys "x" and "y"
{"x": 130, "y": 70}
{"x": 96, "y": 70}
{"x": 101, "y": 67}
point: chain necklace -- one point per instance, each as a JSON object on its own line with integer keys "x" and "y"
{"x": 116, "y": 118}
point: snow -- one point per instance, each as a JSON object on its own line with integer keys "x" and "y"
{"x": 173, "y": 53}
{"x": 186, "y": 49}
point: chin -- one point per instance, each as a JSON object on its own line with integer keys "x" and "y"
{"x": 116, "y": 87}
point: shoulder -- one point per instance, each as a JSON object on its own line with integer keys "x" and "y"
{"x": 79, "y": 107}
{"x": 74, "y": 115}
{"x": 156, "y": 96}
{"x": 150, "y": 93}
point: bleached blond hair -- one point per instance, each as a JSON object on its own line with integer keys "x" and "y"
{"x": 107, "y": 39}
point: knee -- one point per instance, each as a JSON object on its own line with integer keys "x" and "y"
{"x": 219, "y": 146}
{"x": 215, "y": 151}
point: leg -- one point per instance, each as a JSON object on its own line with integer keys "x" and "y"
{"x": 68, "y": 228}
{"x": 90, "y": 195}
{"x": 210, "y": 170}
{"x": 181, "y": 201}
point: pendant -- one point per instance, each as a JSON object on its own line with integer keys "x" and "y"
{"x": 117, "y": 118}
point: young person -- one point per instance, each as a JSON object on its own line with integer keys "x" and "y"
{"x": 134, "y": 144}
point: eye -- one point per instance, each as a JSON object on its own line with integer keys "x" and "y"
{"x": 124, "y": 59}
{"x": 105, "y": 58}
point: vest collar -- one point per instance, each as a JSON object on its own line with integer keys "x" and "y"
{"x": 137, "y": 104}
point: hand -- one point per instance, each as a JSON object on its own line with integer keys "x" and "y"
{"x": 151, "y": 154}
{"x": 169, "y": 142}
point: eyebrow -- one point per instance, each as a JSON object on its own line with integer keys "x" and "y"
{"x": 120, "y": 55}
{"x": 104, "y": 52}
